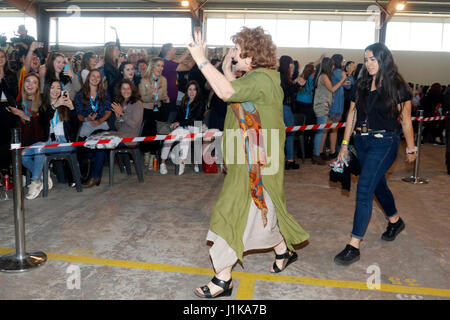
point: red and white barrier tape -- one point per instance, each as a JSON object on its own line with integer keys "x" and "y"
{"x": 206, "y": 135}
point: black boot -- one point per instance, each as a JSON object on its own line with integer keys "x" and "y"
{"x": 347, "y": 256}
{"x": 291, "y": 165}
{"x": 393, "y": 229}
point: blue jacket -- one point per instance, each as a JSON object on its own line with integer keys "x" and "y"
{"x": 338, "y": 97}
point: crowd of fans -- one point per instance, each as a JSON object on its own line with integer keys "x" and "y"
{"x": 59, "y": 98}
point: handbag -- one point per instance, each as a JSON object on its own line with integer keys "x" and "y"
{"x": 209, "y": 168}
{"x": 163, "y": 127}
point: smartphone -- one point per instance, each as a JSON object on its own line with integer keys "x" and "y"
{"x": 40, "y": 44}
{"x": 66, "y": 68}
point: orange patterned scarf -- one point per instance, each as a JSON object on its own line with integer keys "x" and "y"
{"x": 255, "y": 156}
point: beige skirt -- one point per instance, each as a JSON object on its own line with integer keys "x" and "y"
{"x": 256, "y": 236}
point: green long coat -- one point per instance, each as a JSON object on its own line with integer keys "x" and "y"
{"x": 229, "y": 218}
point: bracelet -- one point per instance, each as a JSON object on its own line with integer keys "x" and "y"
{"x": 411, "y": 151}
{"x": 203, "y": 64}
{"x": 345, "y": 142}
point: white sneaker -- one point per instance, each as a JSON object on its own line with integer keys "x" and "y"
{"x": 181, "y": 169}
{"x": 34, "y": 189}
{"x": 50, "y": 181}
{"x": 196, "y": 168}
{"x": 163, "y": 168}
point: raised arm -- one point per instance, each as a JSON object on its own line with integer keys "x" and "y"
{"x": 319, "y": 60}
{"x": 220, "y": 83}
{"x": 327, "y": 82}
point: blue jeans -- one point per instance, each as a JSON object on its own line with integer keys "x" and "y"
{"x": 289, "y": 122}
{"x": 98, "y": 156}
{"x": 376, "y": 156}
{"x": 319, "y": 135}
{"x": 34, "y": 158}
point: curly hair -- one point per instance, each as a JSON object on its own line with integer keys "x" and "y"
{"x": 257, "y": 45}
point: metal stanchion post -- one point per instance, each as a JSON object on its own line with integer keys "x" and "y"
{"x": 21, "y": 260}
{"x": 415, "y": 178}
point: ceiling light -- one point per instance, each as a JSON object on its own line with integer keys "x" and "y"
{"x": 185, "y": 3}
{"x": 401, "y": 6}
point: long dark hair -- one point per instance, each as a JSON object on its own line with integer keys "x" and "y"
{"x": 6, "y": 67}
{"x": 87, "y": 89}
{"x": 46, "y": 101}
{"x": 285, "y": 62}
{"x": 50, "y": 69}
{"x": 388, "y": 80}
{"x": 296, "y": 71}
{"x": 326, "y": 68}
{"x": 197, "y": 96}
{"x": 337, "y": 60}
{"x": 85, "y": 60}
{"x": 135, "y": 95}
{"x": 346, "y": 66}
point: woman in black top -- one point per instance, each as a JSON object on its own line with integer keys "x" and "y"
{"x": 8, "y": 94}
{"x": 290, "y": 89}
{"x": 113, "y": 60}
{"x": 432, "y": 105}
{"x": 128, "y": 72}
{"x": 382, "y": 96}
{"x": 191, "y": 109}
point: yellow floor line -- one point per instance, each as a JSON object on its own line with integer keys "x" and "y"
{"x": 247, "y": 279}
{"x": 245, "y": 289}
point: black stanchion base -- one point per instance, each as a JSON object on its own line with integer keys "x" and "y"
{"x": 415, "y": 180}
{"x": 10, "y": 262}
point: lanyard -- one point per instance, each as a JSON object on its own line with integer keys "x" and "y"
{"x": 56, "y": 121}
{"x": 25, "y": 109}
{"x": 156, "y": 87}
{"x": 187, "y": 110}
{"x": 62, "y": 86}
{"x": 95, "y": 108}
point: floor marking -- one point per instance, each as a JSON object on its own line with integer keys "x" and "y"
{"x": 247, "y": 279}
{"x": 245, "y": 289}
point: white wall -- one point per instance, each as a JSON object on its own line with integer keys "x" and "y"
{"x": 416, "y": 67}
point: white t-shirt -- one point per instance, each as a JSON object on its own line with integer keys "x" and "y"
{"x": 3, "y": 98}
{"x": 56, "y": 125}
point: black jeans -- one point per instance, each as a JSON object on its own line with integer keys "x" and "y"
{"x": 306, "y": 109}
{"x": 149, "y": 129}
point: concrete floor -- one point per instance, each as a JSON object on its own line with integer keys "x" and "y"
{"x": 147, "y": 240}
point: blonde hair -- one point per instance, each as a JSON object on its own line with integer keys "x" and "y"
{"x": 151, "y": 67}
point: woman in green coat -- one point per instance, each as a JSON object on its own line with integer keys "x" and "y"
{"x": 251, "y": 210}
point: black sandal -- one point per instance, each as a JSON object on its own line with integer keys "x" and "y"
{"x": 288, "y": 256}
{"x": 225, "y": 285}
